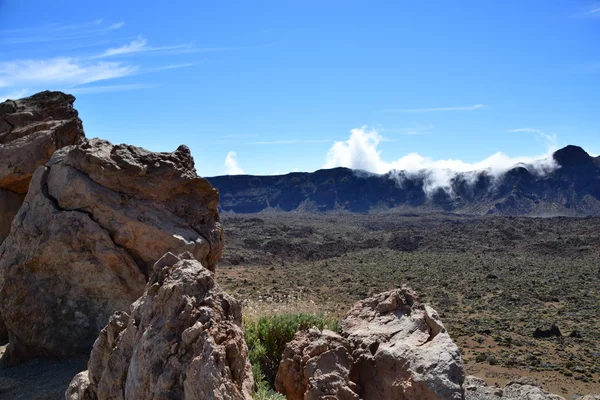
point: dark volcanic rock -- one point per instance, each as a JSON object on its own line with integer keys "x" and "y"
{"x": 95, "y": 218}
{"x": 571, "y": 156}
{"x": 553, "y": 331}
{"x": 572, "y": 188}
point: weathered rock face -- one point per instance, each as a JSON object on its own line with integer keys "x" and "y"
{"x": 401, "y": 349}
{"x": 95, "y": 217}
{"x": 183, "y": 340}
{"x": 31, "y": 130}
{"x": 316, "y": 365}
{"x": 391, "y": 347}
{"x": 477, "y": 389}
{"x": 10, "y": 203}
{"x": 80, "y": 388}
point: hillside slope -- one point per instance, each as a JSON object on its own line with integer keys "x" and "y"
{"x": 573, "y": 188}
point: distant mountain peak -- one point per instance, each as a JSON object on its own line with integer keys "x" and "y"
{"x": 571, "y": 156}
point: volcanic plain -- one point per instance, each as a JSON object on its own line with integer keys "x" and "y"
{"x": 500, "y": 283}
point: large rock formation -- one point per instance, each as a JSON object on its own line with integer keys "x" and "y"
{"x": 183, "y": 340}
{"x": 95, "y": 217}
{"x": 316, "y": 365}
{"x": 401, "y": 349}
{"x": 393, "y": 346}
{"x": 31, "y": 130}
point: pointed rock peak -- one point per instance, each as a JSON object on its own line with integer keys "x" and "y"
{"x": 571, "y": 156}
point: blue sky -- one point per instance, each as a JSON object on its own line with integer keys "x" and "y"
{"x": 269, "y": 87}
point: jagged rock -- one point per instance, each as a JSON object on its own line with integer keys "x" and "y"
{"x": 391, "y": 347}
{"x": 31, "y": 130}
{"x": 95, "y": 218}
{"x": 316, "y": 365}
{"x": 401, "y": 349}
{"x": 79, "y": 388}
{"x": 477, "y": 389}
{"x": 553, "y": 331}
{"x": 183, "y": 340}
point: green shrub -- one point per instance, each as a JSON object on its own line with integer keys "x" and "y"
{"x": 266, "y": 338}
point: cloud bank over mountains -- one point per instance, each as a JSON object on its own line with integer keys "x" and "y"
{"x": 361, "y": 152}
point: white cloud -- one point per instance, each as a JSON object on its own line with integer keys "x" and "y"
{"x": 231, "y": 164}
{"x": 65, "y": 71}
{"x": 13, "y": 95}
{"x": 108, "y": 88}
{"x": 57, "y": 33}
{"x": 133, "y": 47}
{"x": 414, "y": 129}
{"x": 139, "y": 45}
{"x": 360, "y": 151}
{"x": 550, "y": 138}
{"x": 435, "y": 109}
{"x": 593, "y": 12}
{"x": 116, "y": 26}
{"x": 292, "y": 141}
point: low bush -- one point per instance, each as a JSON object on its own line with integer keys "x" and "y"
{"x": 267, "y": 336}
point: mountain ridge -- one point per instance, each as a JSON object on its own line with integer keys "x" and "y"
{"x": 572, "y": 188}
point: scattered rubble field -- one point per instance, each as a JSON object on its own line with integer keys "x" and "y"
{"x": 500, "y": 283}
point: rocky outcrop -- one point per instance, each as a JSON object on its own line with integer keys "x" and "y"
{"x": 477, "y": 389}
{"x": 391, "y": 347}
{"x": 183, "y": 340}
{"x": 401, "y": 349}
{"x": 31, "y": 130}
{"x": 316, "y": 365}
{"x": 80, "y": 388}
{"x": 95, "y": 218}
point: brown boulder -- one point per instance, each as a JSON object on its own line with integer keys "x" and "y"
{"x": 391, "y": 347}
{"x": 401, "y": 349}
{"x": 31, "y": 130}
{"x": 316, "y": 365}
{"x": 95, "y": 217}
{"x": 183, "y": 340}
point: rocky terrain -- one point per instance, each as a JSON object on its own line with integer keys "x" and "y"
{"x": 494, "y": 281}
{"x": 570, "y": 187}
{"x": 113, "y": 258}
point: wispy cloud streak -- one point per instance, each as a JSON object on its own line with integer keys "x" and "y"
{"x": 57, "y": 33}
{"x": 14, "y": 95}
{"x": 109, "y": 88}
{"x": 550, "y": 138}
{"x": 65, "y": 71}
{"x": 291, "y": 141}
{"x": 139, "y": 45}
{"x": 76, "y": 69}
{"x": 435, "y": 109}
